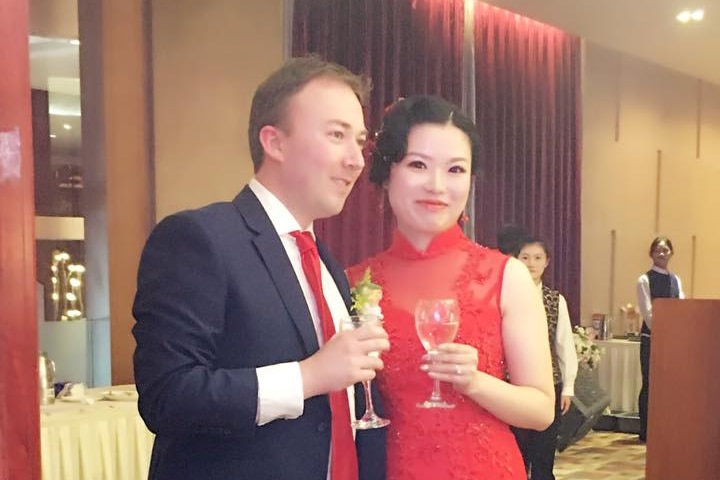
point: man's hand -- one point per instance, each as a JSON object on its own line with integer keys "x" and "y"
{"x": 344, "y": 360}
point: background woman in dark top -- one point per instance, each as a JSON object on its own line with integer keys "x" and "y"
{"x": 657, "y": 282}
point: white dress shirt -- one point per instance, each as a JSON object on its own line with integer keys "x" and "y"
{"x": 565, "y": 347}
{"x": 280, "y": 386}
{"x": 643, "y": 294}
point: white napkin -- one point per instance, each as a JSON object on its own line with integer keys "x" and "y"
{"x": 75, "y": 392}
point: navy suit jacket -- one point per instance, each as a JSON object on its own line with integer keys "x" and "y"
{"x": 217, "y": 297}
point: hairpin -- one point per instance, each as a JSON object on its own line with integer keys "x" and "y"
{"x": 392, "y": 105}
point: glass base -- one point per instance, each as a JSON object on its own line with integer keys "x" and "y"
{"x": 435, "y": 404}
{"x": 369, "y": 422}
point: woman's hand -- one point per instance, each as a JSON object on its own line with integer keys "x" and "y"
{"x": 454, "y": 363}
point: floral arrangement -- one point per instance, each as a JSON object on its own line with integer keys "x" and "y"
{"x": 366, "y": 296}
{"x": 588, "y": 353}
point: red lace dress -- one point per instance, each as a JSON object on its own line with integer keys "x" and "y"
{"x": 466, "y": 442}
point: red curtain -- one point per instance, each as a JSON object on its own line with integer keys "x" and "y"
{"x": 528, "y": 112}
{"x": 406, "y": 47}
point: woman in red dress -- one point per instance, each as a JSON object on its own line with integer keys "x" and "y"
{"x": 425, "y": 155}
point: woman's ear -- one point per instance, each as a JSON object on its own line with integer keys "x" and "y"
{"x": 271, "y": 139}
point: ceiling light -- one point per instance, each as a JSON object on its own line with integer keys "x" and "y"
{"x": 686, "y": 15}
{"x": 52, "y": 135}
{"x": 68, "y": 110}
{"x": 67, "y": 126}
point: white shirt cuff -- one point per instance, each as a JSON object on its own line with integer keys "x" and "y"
{"x": 280, "y": 392}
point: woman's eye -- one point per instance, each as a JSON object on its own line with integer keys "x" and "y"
{"x": 337, "y": 134}
{"x": 457, "y": 169}
{"x": 416, "y": 164}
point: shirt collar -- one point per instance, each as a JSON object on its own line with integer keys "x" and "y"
{"x": 660, "y": 270}
{"x": 281, "y": 218}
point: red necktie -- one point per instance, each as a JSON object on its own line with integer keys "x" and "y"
{"x": 343, "y": 459}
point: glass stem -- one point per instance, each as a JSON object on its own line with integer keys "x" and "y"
{"x": 436, "y": 396}
{"x": 369, "y": 409}
{"x": 436, "y": 393}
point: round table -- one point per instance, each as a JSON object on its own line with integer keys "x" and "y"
{"x": 619, "y": 373}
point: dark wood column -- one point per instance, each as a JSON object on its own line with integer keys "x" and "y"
{"x": 117, "y": 132}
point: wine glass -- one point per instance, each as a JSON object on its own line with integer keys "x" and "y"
{"x": 370, "y": 419}
{"x": 436, "y": 322}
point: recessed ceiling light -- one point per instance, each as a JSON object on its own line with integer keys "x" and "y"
{"x": 687, "y": 15}
{"x": 67, "y": 126}
{"x": 52, "y": 135}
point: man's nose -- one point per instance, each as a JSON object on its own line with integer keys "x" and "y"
{"x": 355, "y": 157}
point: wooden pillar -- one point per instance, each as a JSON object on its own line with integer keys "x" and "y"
{"x": 118, "y": 211}
{"x": 19, "y": 398}
{"x": 683, "y": 425}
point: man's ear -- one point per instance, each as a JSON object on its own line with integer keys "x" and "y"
{"x": 271, "y": 139}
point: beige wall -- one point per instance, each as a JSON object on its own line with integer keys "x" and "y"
{"x": 208, "y": 58}
{"x": 650, "y": 109}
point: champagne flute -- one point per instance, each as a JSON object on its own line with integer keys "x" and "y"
{"x": 436, "y": 322}
{"x": 370, "y": 419}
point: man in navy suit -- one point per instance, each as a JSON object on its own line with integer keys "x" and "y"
{"x": 233, "y": 370}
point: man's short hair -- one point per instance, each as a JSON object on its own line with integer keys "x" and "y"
{"x": 269, "y": 103}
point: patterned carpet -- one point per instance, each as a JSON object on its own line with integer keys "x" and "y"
{"x": 602, "y": 455}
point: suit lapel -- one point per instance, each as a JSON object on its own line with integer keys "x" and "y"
{"x": 271, "y": 251}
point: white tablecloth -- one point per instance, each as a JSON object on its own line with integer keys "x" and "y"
{"x": 103, "y": 441}
{"x": 619, "y": 374}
